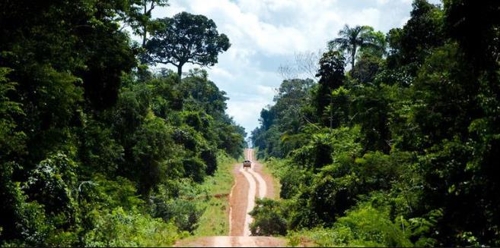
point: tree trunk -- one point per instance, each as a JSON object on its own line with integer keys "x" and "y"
{"x": 179, "y": 72}
{"x": 353, "y": 55}
{"x": 331, "y": 111}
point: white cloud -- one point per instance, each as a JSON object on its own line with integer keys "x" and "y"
{"x": 246, "y": 112}
{"x": 266, "y": 91}
{"x": 268, "y": 33}
{"x": 404, "y": 21}
{"x": 220, "y": 72}
{"x": 368, "y": 16}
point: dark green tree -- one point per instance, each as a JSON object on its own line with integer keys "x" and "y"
{"x": 367, "y": 68}
{"x": 268, "y": 218}
{"x": 475, "y": 26}
{"x": 331, "y": 73}
{"x": 140, "y": 17}
{"x": 415, "y": 41}
{"x": 186, "y": 38}
{"x": 353, "y": 39}
{"x": 370, "y": 108}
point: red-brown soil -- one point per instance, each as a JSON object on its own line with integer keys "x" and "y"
{"x": 239, "y": 201}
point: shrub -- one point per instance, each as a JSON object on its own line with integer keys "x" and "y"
{"x": 268, "y": 218}
{"x": 130, "y": 228}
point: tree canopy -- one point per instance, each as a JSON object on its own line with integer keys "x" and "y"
{"x": 351, "y": 40}
{"x": 400, "y": 150}
{"x": 95, "y": 148}
{"x": 186, "y": 38}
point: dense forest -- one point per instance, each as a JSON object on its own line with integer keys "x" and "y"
{"x": 396, "y": 141}
{"x": 96, "y": 147}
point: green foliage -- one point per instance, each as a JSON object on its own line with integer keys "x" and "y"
{"x": 268, "y": 218}
{"x": 51, "y": 185}
{"x": 118, "y": 192}
{"x": 23, "y": 223}
{"x": 139, "y": 17}
{"x": 99, "y": 150}
{"x": 364, "y": 226}
{"x": 415, "y": 41}
{"x": 186, "y": 38}
{"x": 151, "y": 151}
{"x": 33, "y": 226}
{"x": 10, "y": 139}
{"x": 368, "y": 226}
{"x": 210, "y": 159}
{"x": 88, "y": 142}
{"x": 331, "y": 73}
{"x": 117, "y": 227}
{"x": 195, "y": 169}
{"x": 353, "y": 39}
{"x": 331, "y": 70}
{"x": 282, "y": 123}
{"x": 371, "y": 109}
{"x": 475, "y": 27}
{"x": 338, "y": 111}
{"x": 213, "y": 198}
{"x": 403, "y": 150}
{"x": 165, "y": 96}
{"x": 182, "y": 211}
{"x": 291, "y": 180}
{"x": 366, "y": 69}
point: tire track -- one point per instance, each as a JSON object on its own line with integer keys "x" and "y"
{"x": 253, "y": 179}
{"x": 251, "y": 201}
{"x": 249, "y": 184}
{"x": 260, "y": 181}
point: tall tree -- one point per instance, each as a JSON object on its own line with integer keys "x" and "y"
{"x": 67, "y": 59}
{"x": 475, "y": 26}
{"x": 415, "y": 41}
{"x": 186, "y": 38}
{"x": 331, "y": 73}
{"x": 140, "y": 16}
{"x": 353, "y": 39}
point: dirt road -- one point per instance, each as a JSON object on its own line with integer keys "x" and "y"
{"x": 254, "y": 179}
{"x": 249, "y": 184}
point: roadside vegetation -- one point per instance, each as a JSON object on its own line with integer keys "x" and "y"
{"x": 215, "y": 190}
{"x": 96, "y": 147}
{"x": 396, "y": 141}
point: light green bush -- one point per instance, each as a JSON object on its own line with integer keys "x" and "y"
{"x": 121, "y": 228}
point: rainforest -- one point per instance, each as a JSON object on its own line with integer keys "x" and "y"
{"x": 394, "y": 140}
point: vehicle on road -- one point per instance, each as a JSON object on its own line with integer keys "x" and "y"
{"x": 247, "y": 163}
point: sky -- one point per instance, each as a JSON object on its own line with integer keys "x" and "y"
{"x": 267, "y": 35}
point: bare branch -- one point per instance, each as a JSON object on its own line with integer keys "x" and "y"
{"x": 304, "y": 65}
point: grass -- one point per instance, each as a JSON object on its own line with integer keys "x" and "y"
{"x": 215, "y": 199}
{"x": 309, "y": 238}
{"x": 215, "y": 219}
{"x": 270, "y": 169}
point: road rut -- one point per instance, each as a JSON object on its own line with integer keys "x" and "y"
{"x": 250, "y": 183}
